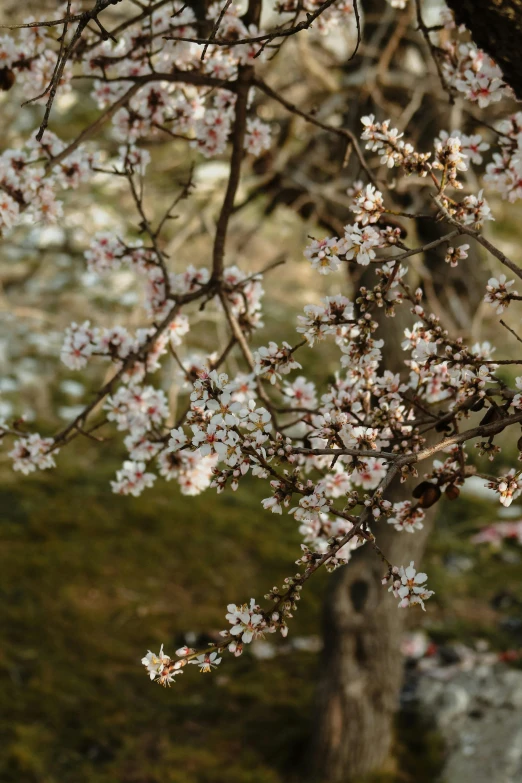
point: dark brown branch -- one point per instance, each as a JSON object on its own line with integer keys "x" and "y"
{"x": 94, "y": 127}
{"x": 245, "y": 77}
{"x": 63, "y": 57}
{"x": 278, "y": 32}
{"x": 343, "y": 133}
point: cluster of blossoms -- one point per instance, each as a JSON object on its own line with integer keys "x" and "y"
{"x": 273, "y": 361}
{"x": 29, "y": 181}
{"x": 452, "y": 153}
{"x": 248, "y": 623}
{"x": 408, "y": 585}
{"x": 508, "y": 487}
{"x": 450, "y": 158}
{"x": 498, "y": 293}
{"x": 471, "y": 211}
{"x": 334, "y": 317}
{"x": 393, "y": 150}
{"x": 359, "y": 244}
{"x": 504, "y": 173}
{"x": 406, "y": 516}
{"x": 473, "y": 73}
{"x": 338, "y": 15}
{"x": 231, "y": 431}
{"x": 496, "y": 534}
{"x": 159, "y": 105}
{"x": 32, "y": 452}
{"x": 328, "y": 452}
{"x": 31, "y": 59}
{"x": 163, "y": 669}
{"x": 456, "y": 254}
{"x": 471, "y": 146}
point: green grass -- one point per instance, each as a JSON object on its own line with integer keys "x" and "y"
{"x": 89, "y": 581}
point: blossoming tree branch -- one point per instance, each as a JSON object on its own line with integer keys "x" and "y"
{"x": 327, "y": 455}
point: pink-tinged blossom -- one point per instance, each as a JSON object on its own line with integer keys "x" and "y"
{"x": 473, "y": 73}
{"x": 207, "y": 662}
{"x": 161, "y": 668}
{"x": 206, "y": 440}
{"x": 132, "y": 479}
{"x": 258, "y": 423}
{"x": 177, "y": 329}
{"x": 301, "y": 393}
{"x": 274, "y": 361}
{"x": 257, "y": 137}
{"x": 370, "y": 474}
{"x": 360, "y": 243}
{"x": 498, "y": 293}
{"x": 243, "y": 388}
{"x": 224, "y": 410}
{"x": 408, "y": 585}
{"x": 368, "y": 206}
{"x": 324, "y": 254}
{"x": 406, "y": 517}
{"x": 456, "y": 254}
{"x": 337, "y": 483}
{"x": 473, "y": 146}
{"x": 31, "y": 453}
{"x": 246, "y": 620}
{"x": 508, "y": 487}
{"x": 78, "y": 345}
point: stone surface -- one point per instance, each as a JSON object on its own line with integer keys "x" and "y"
{"x": 479, "y": 714}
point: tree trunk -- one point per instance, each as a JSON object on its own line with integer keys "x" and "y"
{"x": 361, "y": 667}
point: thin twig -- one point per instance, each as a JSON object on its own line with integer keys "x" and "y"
{"x": 349, "y": 137}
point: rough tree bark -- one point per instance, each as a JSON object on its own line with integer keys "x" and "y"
{"x": 496, "y": 26}
{"x": 361, "y": 667}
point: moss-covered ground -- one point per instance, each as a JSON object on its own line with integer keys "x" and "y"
{"x": 89, "y": 580}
